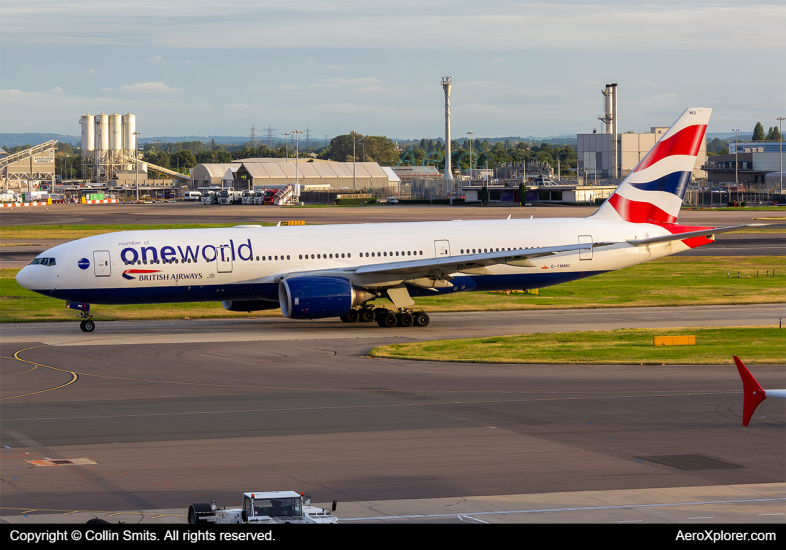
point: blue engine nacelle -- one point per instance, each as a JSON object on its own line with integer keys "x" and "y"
{"x": 318, "y": 297}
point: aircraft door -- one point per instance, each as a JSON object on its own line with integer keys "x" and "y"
{"x": 585, "y": 254}
{"x": 223, "y": 259}
{"x": 442, "y": 249}
{"x": 102, "y": 263}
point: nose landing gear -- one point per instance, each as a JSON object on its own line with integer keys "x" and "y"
{"x": 87, "y": 325}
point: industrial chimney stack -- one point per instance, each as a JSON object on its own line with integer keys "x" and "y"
{"x": 610, "y": 120}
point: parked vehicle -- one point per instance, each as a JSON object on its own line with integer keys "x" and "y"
{"x": 264, "y": 507}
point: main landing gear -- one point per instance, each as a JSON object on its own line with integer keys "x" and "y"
{"x": 386, "y": 318}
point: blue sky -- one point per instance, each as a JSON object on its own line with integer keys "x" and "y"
{"x": 519, "y": 68}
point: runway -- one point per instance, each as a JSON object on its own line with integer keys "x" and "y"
{"x": 184, "y": 411}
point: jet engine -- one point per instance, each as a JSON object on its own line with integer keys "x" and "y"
{"x": 319, "y": 297}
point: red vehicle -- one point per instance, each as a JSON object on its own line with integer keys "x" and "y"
{"x": 270, "y": 194}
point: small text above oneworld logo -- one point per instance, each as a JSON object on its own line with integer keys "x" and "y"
{"x": 208, "y": 252}
{"x": 84, "y": 263}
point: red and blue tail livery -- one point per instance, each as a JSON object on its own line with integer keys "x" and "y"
{"x": 653, "y": 191}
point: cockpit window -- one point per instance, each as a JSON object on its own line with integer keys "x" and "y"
{"x": 43, "y": 261}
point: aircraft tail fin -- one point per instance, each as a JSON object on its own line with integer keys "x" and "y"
{"x": 754, "y": 394}
{"x": 653, "y": 191}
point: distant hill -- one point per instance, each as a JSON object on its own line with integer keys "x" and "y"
{"x": 554, "y": 140}
{"x": 14, "y": 140}
{"x": 729, "y": 135}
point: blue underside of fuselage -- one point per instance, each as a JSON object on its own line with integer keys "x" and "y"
{"x": 269, "y": 291}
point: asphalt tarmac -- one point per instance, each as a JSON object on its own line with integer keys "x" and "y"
{"x": 183, "y": 212}
{"x": 180, "y": 412}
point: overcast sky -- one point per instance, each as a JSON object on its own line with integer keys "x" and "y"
{"x": 519, "y": 68}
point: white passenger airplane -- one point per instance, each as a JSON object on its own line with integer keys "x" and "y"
{"x": 336, "y": 271}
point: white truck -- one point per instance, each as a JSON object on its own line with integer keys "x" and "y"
{"x": 229, "y": 196}
{"x": 247, "y": 197}
{"x": 268, "y": 508}
{"x": 210, "y": 197}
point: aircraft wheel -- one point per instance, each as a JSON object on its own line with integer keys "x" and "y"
{"x": 422, "y": 319}
{"x": 388, "y": 320}
{"x": 405, "y": 319}
{"x": 352, "y": 316}
{"x": 344, "y": 319}
{"x": 366, "y": 315}
{"x": 89, "y": 326}
{"x": 379, "y": 313}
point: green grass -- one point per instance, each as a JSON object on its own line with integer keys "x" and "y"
{"x": 668, "y": 282}
{"x": 673, "y": 281}
{"x": 762, "y": 345}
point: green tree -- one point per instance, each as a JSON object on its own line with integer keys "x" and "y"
{"x": 774, "y": 134}
{"x": 159, "y": 158}
{"x": 758, "y": 132}
{"x": 185, "y": 159}
{"x": 377, "y": 149}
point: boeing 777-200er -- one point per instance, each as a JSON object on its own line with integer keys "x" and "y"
{"x": 314, "y": 272}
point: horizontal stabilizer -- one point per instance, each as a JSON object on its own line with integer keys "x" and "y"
{"x": 752, "y": 391}
{"x": 690, "y": 234}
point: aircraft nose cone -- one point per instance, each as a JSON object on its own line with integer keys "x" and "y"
{"x": 23, "y": 277}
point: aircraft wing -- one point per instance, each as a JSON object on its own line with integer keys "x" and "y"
{"x": 468, "y": 263}
{"x": 465, "y": 262}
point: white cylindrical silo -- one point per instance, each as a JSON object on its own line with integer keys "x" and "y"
{"x": 88, "y": 132}
{"x": 115, "y": 132}
{"x": 129, "y": 127}
{"x": 102, "y": 132}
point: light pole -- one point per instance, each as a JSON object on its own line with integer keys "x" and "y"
{"x": 780, "y": 120}
{"x": 136, "y": 164}
{"x": 354, "y": 135}
{"x": 297, "y": 154}
{"x": 470, "y": 134}
{"x": 286, "y": 145}
{"x": 736, "y": 163}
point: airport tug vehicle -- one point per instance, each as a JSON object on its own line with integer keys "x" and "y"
{"x": 270, "y": 507}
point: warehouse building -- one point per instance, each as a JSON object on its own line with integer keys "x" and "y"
{"x": 367, "y": 177}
